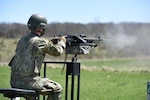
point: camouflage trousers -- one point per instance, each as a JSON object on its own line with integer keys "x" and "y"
{"x": 43, "y": 86}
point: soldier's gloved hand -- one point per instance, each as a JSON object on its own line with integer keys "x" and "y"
{"x": 62, "y": 38}
{"x": 55, "y": 40}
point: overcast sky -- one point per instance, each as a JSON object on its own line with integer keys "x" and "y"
{"x": 76, "y": 11}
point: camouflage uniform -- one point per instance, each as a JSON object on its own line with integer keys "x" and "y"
{"x": 26, "y": 65}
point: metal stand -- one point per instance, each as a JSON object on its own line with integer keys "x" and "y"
{"x": 72, "y": 69}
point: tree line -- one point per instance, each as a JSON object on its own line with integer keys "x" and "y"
{"x": 16, "y": 30}
{"x": 123, "y": 39}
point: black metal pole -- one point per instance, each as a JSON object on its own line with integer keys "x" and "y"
{"x": 44, "y": 76}
{"x": 66, "y": 92}
{"x": 72, "y": 87}
{"x": 78, "y": 89}
{"x": 44, "y": 69}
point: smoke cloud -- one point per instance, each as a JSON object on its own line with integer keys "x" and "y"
{"x": 121, "y": 41}
{"x": 128, "y": 45}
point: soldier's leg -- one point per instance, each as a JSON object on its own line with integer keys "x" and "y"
{"x": 48, "y": 87}
{"x": 56, "y": 94}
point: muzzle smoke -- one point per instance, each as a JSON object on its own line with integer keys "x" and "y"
{"x": 122, "y": 41}
{"x": 128, "y": 45}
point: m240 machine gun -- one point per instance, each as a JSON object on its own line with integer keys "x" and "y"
{"x": 80, "y": 44}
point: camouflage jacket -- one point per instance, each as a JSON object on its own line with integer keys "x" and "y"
{"x": 30, "y": 53}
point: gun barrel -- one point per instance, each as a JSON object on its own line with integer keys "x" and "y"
{"x": 93, "y": 40}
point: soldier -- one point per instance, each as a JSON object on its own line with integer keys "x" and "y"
{"x": 30, "y": 53}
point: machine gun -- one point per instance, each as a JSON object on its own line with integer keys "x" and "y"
{"x": 80, "y": 44}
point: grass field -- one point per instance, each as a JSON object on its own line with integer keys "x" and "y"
{"x": 114, "y": 79}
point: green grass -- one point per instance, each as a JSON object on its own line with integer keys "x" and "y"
{"x": 115, "y": 65}
{"x": 115, "y": 86}
{"x": 101, "y": 84}
{"x": 7, "y": 47}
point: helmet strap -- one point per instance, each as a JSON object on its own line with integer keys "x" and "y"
{"x": 43, "y": 32}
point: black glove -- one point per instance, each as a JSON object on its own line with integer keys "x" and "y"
{"x": 55, "y": 40}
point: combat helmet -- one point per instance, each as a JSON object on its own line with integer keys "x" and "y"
{"x": 37, "y": 21}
